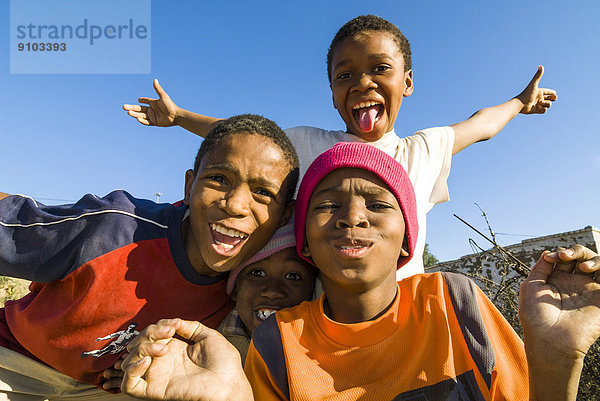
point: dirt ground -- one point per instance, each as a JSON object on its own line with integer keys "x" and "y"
{"x": 12, "y": 288}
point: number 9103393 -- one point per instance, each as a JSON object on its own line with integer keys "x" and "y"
{"x": 42, "y": 47}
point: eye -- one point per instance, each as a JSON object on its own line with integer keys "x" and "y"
{"x": 382, "y": 68}
{"x": 293, "y": 276}
{"x": 218, "y": 178}
{"x": 326, "y": 206}
{"x": 343, "y": 75}
{"x": 264, "y": 192}
{"x": 257, "y": 273}
{"x": 376, "y": 206}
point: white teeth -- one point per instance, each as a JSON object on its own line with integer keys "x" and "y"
{"x": 365, "y": 104}
{"x": 226, "y": 246}
{"x": 263, "y": 314}
{"x": 227, "y": 231}
{"x": 351, "y": 247}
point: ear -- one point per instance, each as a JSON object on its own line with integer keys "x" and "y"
{"x": 233, "y": 295}
{"x": 189, "y": 182}
{"x": 305, "y": 252}
{"x": 408, "y": 83}
{"x": 403, "y": 252}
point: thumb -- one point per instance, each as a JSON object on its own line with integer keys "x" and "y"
{"x": 541, "y": 270}
{"x": 133, "y": 382}
{"x": 537, "y": 77}
{"x": 192, "y": 331}
{"x": 159, "y": 90}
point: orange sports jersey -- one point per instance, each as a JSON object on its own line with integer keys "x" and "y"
{"x": 441, "y": 339}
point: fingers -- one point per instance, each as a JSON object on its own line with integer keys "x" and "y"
{"x": 110, "y": 373}
{"x": 163, "y": 329}
{"x": 143, "y": 117}
{"x": 573, "y": 253}
{"x": 134, "y": 107}
{"x": 147, "y": 349}
{"x": 159, "y": 90}
{"x": 545, "y": 98}
{"x": 150, "y": 342}
{"x": 136, "y": 114}
{"x": 548, "y": 94}
{"x": 575, "y": 259}
{"x": 112, "y": 383}
{"x": 119, "y": 362}
{"x": 113, "y": 379}
{"x": 193, "y": 331}
{"x": 133, "y": 382}
{"x": 544, "y": 105}
{"x": 146, "y": 100}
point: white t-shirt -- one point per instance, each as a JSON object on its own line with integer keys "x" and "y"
{"x": 425, "y": 156}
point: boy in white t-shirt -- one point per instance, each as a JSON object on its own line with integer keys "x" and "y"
{"x": 369, "y": 68}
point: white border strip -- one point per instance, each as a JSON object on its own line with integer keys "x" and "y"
{"x": 81, "y": 216}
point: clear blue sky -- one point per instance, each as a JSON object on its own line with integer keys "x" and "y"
{"x": 66, "y": 135}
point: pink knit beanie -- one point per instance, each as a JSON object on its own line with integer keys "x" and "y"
{"x": 366, "y": 157}
{"x": 282, "y": 238}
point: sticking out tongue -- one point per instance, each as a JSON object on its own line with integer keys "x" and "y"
{"x": 366, "y": 117}
{"x": 226, "y": 239}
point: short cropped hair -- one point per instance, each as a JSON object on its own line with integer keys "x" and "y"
{"x": 364, "y": 23}
{"x": 254, "y": 125}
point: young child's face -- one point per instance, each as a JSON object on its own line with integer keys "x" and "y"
{"x": 280, "y": 281}
{"x": 368, "y": 83}
{"x": 236, "y": 201}
{"x": 354, "y": 230}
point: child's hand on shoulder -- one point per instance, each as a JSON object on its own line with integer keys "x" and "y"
{"x": 536, "y": 100}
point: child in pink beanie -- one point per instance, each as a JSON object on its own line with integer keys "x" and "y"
{"x": 368, "y": 337}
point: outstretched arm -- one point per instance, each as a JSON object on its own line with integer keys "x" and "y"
{"x": 487, "y": 122}
{"x": 204, "y": 366}
{"x": 559, "y": 308}
{"x": 163, "y": 112}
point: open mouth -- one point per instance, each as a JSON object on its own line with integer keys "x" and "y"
{"x": 263, "y": 313}
{"x": 226, "y": 240}
{"x": 367, "y": 114}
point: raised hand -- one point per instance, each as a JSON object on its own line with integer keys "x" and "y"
{"x": 536, "y": 100}
{"x": 559, "y": 303}
{"x": 202, "y": 366}
{"x": 161, "y": 112}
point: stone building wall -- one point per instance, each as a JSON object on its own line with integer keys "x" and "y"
{"x": 490, "y": 264}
